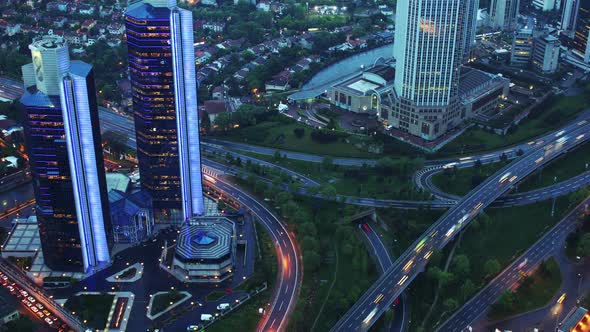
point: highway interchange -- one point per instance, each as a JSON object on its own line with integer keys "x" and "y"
{"x": 413, "y": 261}
{"x": 382, "y": 293}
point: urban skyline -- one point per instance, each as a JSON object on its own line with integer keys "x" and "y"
{"x": 396, "y": 166}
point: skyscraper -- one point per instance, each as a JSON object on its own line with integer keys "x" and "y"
{"x": 582, "y": 28}
{"x": 569, "y": 16}
{"x": 65, "y": 154}
{"x": 503, "y": 14}
{"x": 546, "y": 5}
{"x": 163, "y": 77}
{"x": 470, "y": 27}
{"x": 428, "y": 52}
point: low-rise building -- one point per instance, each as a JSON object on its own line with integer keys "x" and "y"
{"x": 546, "y": 54}
{"x": 362, "y": 93}
{"x": 8, "y": 313}
{"x": 205, "y": 250}
{"x": 522, "y": 48}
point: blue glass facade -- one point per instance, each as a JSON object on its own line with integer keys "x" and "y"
{"x": 150, "y": 71}
{"x": 48, "y": 158}
{"x": 162, "y": 74}
{"x": 65, "y": 155}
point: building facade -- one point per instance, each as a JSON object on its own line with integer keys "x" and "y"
{"x": 546, "y": 54}
{"x": 522, "y": 48}
{"x": 503, "y": 14}
{"x": 428, "y": 53}
{"x": 582, "y": 31}
{"x": 546, "y": 5}
{"x": 569, "y": 15}
{"x": 65, "y": 154}
{"x": 163, "y": 78}
{"x": 470, "y": 28}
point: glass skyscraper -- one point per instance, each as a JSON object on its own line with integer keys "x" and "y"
{"x": 163, "y": 78}
{"x": 428, "y": 50}
{"x": 65, "y": 155}
{"x": 581, "y": 46}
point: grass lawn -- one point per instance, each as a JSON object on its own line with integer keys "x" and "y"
{"x": 127, "y": 274}
{"x": 91, "y": 308}
{"x": 246, "y": 317}
{"x": 567, "y": 166}
{"x": 585, "y": 301}
{"x": 534, "y": 292}
{"x": 506, "y": 236}
{"x": 280, "y": 135}
{"x": 163, "y": 301}
{"x": 554, "y": 113}
{"x": 462, "y": 180}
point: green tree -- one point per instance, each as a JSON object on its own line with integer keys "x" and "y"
{"x": 205, "y": 122}
{"x": 583, "y": 248}
{"x": 467, "y": 289}
{"x": 312, "y": 260}
{"x": 492, "y": 267}
{"x": 461, "y": 265}
{"x": 450, "y": 304}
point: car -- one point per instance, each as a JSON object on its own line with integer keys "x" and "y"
{"x": 46, "y": 312}
{"x": 402, "y": 280}
{"x": 32, "y": 299}
{"x": 561, "y": 299}
{"x": 193, "y": 328}
{"x": 40, "y": 314}
{"x": 408, "y": 265}
{"x": 223, "y": 306}
{"x": 366, "y": 228}
{"x": 35, "y": 309}
{"x": 48, "y": 320}
{"x": 370, "y": 316}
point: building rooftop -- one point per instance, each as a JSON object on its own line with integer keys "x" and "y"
{"x": 11, "y": 89}
{"x": 208, "y": 238}
{"x": 474, "y": 82}
{"x": 574, "y": 321}
{"x": 23, "y": 238}
{"x": 117, "y": 181}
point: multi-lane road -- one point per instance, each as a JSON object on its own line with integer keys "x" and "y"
{"x": 290, "y": 272}
{"x": 379, "y": 297}
{"x": 526, "y": 264}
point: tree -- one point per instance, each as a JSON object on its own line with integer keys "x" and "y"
{"x": 492, "y": 267}
{"x": 205, "y": 122}
{"x": 450, "y": 304}
{"x": 299, "y": 132}
{"x": 461, "y": 265}
{"x": 467, "y": 289}
{"x": 327, "y": 163}
{"x": 289, "y": 209}
{"x": 223, "y": 121}
{"x": 507, "y": 300}
{"x": 308, "y": 228}
{"x": 312, "y": 260}
{"x": 328, "y": 192}
{"x": 583, "y": 248}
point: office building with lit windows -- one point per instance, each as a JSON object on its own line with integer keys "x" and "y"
{"x": 163, "y": 79}
{"x": 569, "y": 15}
{"x": 582, "y": 31}
{"x": 65, "y": 154}
{"x": 470, "y": 28}
{"x": 428, "y": 51}
{"x": 522, "y": 48}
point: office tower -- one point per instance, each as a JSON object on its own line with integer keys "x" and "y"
{"x": 503, "y": 14}
{"x": 546, "y": 54}
{"x": 546, "y": 5}
{"x": 65, "y": 154}
{"x": 163, "y": 78}
{"x": 470, "y": 27}
{"x": 569, "y": 16}
{"x": 582, "y": 30}
{"x": 428, "y": 52}
{"x": 522, "y": 48}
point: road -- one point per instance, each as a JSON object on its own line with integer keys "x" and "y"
{"x": 371, "y": 305}
{"x": 540, "y": 251}
{"x": 290, "y": 273}
{"x": 33, "y": 290}
{"x": 385, "y": 261}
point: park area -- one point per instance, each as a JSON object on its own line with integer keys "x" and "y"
{"x": 92, "y": 309}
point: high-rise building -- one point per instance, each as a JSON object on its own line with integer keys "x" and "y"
{"x": 503, "y": 14}
{"x": 522, "y": 48}
{"x": 569, "y": 16}
{"x": 65, "y": 155}
{"x": 163, "y": 78}
{"x": 547, "y": 5}
{"x": 546, "y": 54}
{"x": 428, "y": 51}
{"x": 470, "y": 27}
{"x": 582, "y": 31}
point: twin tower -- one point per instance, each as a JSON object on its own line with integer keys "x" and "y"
{"x": 63, "y": 134}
